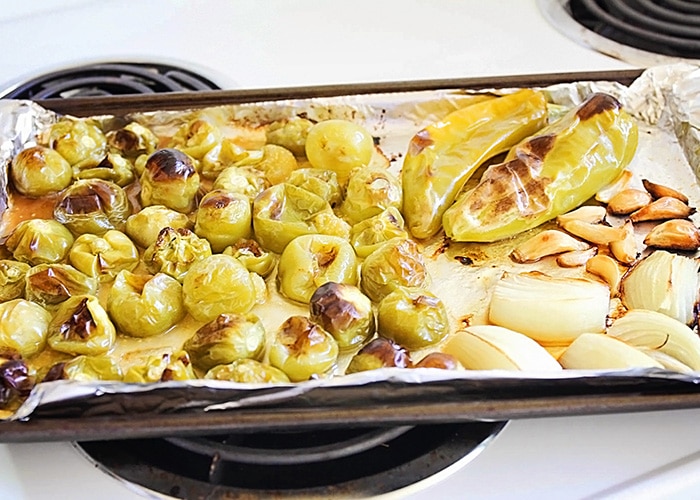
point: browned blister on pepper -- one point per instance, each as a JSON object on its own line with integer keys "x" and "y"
{"x": 442, "y": 157}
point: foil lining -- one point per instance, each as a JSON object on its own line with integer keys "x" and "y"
{"x": 665, "y": 100}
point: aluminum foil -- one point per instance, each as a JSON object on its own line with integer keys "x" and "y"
{"x": 665, "y": 100}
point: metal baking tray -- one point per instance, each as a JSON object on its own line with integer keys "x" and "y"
{"x": 170, "y": 409}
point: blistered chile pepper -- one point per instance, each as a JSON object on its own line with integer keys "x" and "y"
{"x": 223, "y": 218}
{"x": 311, "y": 260}
{"x": 81, "y": 142}
{"x": 549, "y": 174}
{"x": 40, "y": 241}
{"x": 225, "y": 339}
{"x": 102, "y": 257}
{"x": 23, "y": 328}
{"x": 444, "y": 155}
{"x": 368, "y": 235}
{"x": 51, "y": 284}
{"x": 93, "y": 206}
{"x": 398, "y": 262}
{"x": 38, "y": 171}
{"x": 81, "y": 326}
{"x": 170, "y": 179}
{"x": 283, "y": 212}
{"x": 142, "y": 305}
{"x": 247, "y": 371}
{"x": 302, "y": 349}
{"x": 369, "y": 192}
{"x": 175, "y": 251}
{"x": 144, "y": 227}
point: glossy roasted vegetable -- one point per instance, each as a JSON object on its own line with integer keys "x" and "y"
{"x": 81, "y": 326}
{"x": 369, "y": 192}
{"x": 339, "y": 145}
{"x": 114, "y": 167}
{"x": 175, "y": 251}
{"x": 37, "y": 171}
{"x": 323, "y": 183}
{"x": 290, "y": 134}
{"x": 248, "y": 371}
{"x": 252, "y": 256}
{"x": 311, "y": 260}
{"x": 85, "y": 369}
{"x": 398, "y": 262}
{"x": 12, "y": 279}
{"x": 379, "y": 353}
{"x": 223, "y": 218}
{"x": 80, "y": 142}
{"x": 142, "y": 305}
{"x": 143, "y": 227}
{"x": 549, "y": 174}
{"x": 15, "y": 381}
{"x": 344, "y": 312}
{"x": 23, "y": 328}
{"x": 170, "y": 179}
{"x": 277, "y": 163}
{"x": 412, "y": 317}
{"x": 196, "y": 138}
{"x": 244, "y": 180}
{"x": 283, "y": 212}
{"x": 163, "y": 368}
{"x": 224, "y": 155}
{"x": 368, "y": 235}
{"x": 225, "y": 339}
{"x": 93, "y": 206}
{"x": 102, "y": 257}
{"x": 51, "y": 284}
{"x": 439, "y": 360}
{"x": 40, "y": 241}
{"x": 216, "y": 285}
{"x": 132, "y": 140}
{"x": 444, "y": 155}
{"x": 303, "y": 349}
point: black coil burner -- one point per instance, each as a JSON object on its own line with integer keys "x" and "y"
{"x": 351, "y": 462}
{"x": 668, "y": 27}
{"x": 111, "y": 79}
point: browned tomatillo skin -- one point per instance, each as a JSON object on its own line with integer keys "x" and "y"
{"x": 93, "y": 206}
{"x": 170, "y": 179}
{"x": 380, "y": 353}
{"x": 344, "y": 312}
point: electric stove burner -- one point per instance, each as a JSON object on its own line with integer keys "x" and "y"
{"x": 110, "y": 79}
{"x": 670, "y": 27}
{"x": 351, "y": 462}
{"x": 641, "y": 32}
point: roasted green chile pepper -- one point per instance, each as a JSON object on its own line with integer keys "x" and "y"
{"x": 444, "y": 155}
{"x": 549, "y": 174}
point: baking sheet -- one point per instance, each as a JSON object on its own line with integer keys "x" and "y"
{"x": 665, "y": 102}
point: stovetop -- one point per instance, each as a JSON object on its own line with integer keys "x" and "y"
{"x": 278, "y": 43}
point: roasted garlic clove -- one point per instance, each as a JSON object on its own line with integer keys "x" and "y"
{"x": 599, "y": 234}
{"x": 587, "y": 213}
{"x": 576, "y": 258}
{"x": 626, "y": 249}
{"x": 674, "y": 234}
{"x": 606, "y": 268}
{"x": 627, "y": 201}
{"x": 622, "y": 181}
{"x": 659, "y": 191}
{"x": 666, "y": 207}
{"x": 545, "y": 243}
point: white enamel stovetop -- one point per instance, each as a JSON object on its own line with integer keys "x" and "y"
{"x": 275, "y": 43}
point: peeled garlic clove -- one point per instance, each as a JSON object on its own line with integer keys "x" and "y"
{"x": 663, "y": 282}
{"x": 625, "y": 250}
{"x": 576, "y": 258}
{"x": 598, "y": 351}
{"x": 622, "y": 181}
{"x": 659, "y": 191}
{"x": 489, "y": 347}
{"x": 549, "y": 242}
{"x": 627, "y": 201}
{"x": 606, "y": 268}
{"x": 586, "y": 213}
{"x": 599, "y": 234}
{"x": 657, "y": 331}
{"x": 666, "y": 207}
{"x": 548, "y": 309}
{"x": 674, "y": 234}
